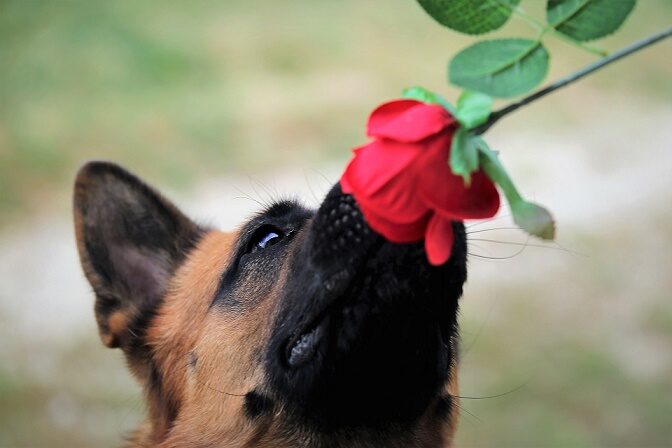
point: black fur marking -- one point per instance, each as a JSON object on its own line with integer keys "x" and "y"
{"x": 136, "y": 346}
{"x": 107, "y": 304}
{"x": 256, "y": 405}
{"x": 164, "y": 403}
{"x": 193, "y": 360}
{"x": 370, "y": 323}
{"x": 259, "y": 269}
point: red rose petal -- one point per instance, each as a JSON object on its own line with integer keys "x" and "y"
{"x": 345, "y": 185}
{"x": 439, "y": 240}
{"x": 398, "y": 202}
{"x": 407, "y": 120}
{"x": 377, "y": 163}
{"x": 446, "y": 193}
{"x": 454, "y": 200}
{"x": 395, "y": 232}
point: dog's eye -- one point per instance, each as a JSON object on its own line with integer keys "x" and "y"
{"x": 268, "y": 240}
{"x": 265, "y": 237}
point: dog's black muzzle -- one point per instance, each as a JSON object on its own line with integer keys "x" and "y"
{"x": 364, "y": 334}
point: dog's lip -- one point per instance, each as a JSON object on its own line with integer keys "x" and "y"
{"x": 303, "y": 347}
{"x": 302, "y": 344}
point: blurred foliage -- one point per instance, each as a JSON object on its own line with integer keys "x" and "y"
{"x": 186, "y": 90}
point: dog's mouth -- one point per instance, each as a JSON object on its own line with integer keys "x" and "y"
{"x": 302, "y": 348}
{"x": 341, "y": 317}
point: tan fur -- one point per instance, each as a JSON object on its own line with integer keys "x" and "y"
{"x": 453, "y": 390}
{"x": 116, "y": 323}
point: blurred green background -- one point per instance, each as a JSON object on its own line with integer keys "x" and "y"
{"x": 217, "y": 100}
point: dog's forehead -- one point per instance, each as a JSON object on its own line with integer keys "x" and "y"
{"x": 195, "y": 282}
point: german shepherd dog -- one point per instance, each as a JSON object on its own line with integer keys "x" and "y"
{"x": 302, "y": 328}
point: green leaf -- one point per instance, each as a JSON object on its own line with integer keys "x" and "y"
{"x": 500, "y": 68}
{"x": 470, "y": 16}
{"x": 464, "y": 154}
{"x": 427, "y": 96}
{"x": 473, "y": 108}
{"x": 531, "y": 217}
{"x": 585, "y": 20}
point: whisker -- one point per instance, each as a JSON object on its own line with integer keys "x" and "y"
{"x": 462, "y": 408}
{"x": 215, "y": 389}
{"x": 554, "y": 245}
{"x": 220, "y": 391}
{"x": 516, "y": 389}
{"x": 478, "y": 246}
{"x": 270, "y": 190}
{"x": 515, "y": 243}
{"x": 478, "y": 333}
{"x": 135, "y": 406}
{"x": 249, "y": 198}
{"x": 311, "y": 189}
{"x": 486, "y": 221}
{"x": 492, "y": 229}
{"x": 257, "y": 200}
{"x": 508, "y": 257}
{"x": 254, "y": 183}
{"x": 485, "y": 257}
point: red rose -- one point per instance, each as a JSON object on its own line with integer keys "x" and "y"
{"x": 403, "y": 182}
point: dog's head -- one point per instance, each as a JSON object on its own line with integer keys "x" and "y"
{"x": 301, "y": 328}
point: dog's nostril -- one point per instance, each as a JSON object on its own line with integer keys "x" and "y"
{"x": 339, "y": 229}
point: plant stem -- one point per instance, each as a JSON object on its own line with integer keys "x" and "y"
{"x": 639, "y": 45}
{"x": 543, "y": 29}
{"x": 578, "y": 44}
{"x": 518, "y": 11}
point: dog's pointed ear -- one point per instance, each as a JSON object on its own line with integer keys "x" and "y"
{"x": 130, "y": 241}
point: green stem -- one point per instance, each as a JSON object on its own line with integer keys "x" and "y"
{"x": 543, "y": 29}
{"x": 578, "y": 44}
{"x": 521, "y": 14}
{"x": 615, "y": 56}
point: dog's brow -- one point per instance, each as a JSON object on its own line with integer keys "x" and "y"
{"x": 281, "y": 208}
{"x": 280, "y": 213}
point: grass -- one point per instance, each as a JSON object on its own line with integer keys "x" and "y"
{"x": 64, "y": 400}
{"x": 582, "y": 348}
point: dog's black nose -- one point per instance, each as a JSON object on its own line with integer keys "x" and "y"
{"x": 340, "y": 231}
